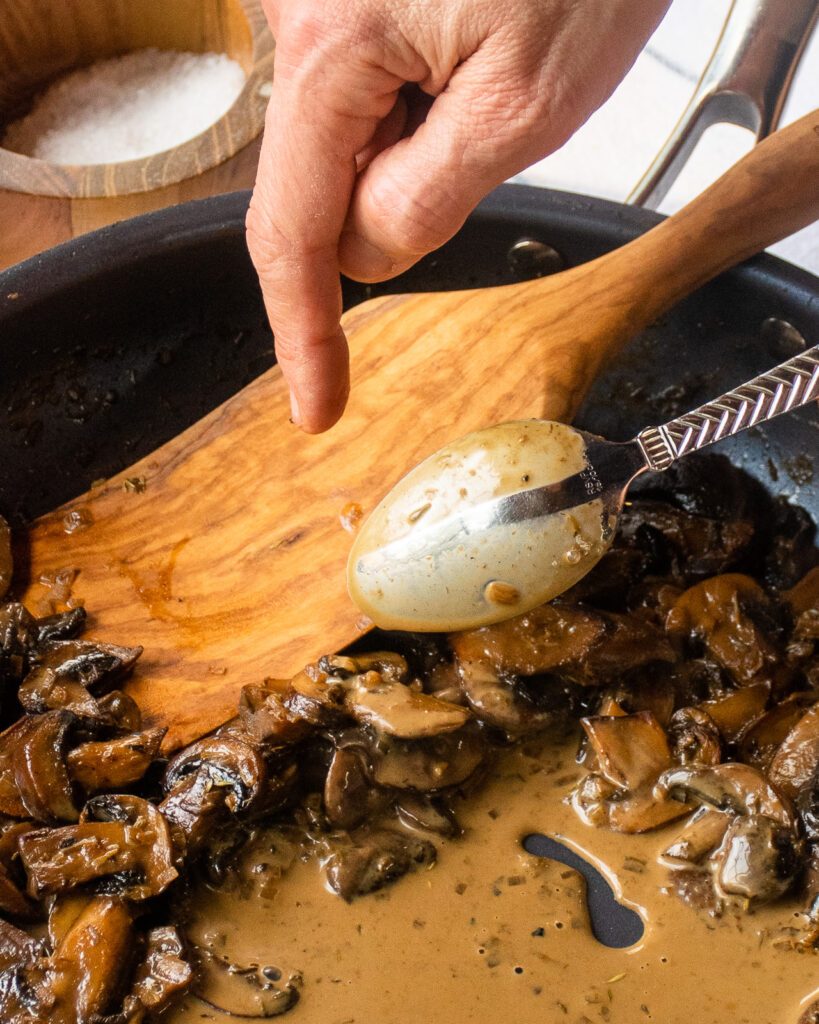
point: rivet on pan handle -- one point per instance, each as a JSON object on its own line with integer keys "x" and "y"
{"x": 745, "y": 82}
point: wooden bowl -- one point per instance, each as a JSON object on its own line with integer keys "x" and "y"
{"x": 42, "y": 203}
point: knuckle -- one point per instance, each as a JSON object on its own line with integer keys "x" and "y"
{"x": 413, "y": 225}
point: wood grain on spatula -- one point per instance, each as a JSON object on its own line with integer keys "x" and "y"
{"x": 229, "y": 566}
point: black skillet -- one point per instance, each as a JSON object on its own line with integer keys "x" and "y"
{"x": 112, "y": 344}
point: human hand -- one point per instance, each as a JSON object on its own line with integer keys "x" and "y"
{"x": 388, "y": 122}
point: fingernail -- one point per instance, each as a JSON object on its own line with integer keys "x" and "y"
{"x": 295, "y": 415}
{"x": 360, "y": 258}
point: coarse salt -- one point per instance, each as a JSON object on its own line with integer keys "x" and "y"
{"x": 127, "y": 107}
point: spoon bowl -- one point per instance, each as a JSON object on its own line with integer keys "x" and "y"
{"x": 509, "y": 517}
{"x": 489, "y": 526}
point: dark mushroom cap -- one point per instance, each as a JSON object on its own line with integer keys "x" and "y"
{"x": 66, "y": 668}
{"x": 231, "y": 763}
{"x": 40, "y": 771}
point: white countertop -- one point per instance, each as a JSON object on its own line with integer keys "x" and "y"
{"x": 612, "y": 150}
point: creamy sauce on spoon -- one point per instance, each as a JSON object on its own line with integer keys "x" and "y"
{"x": 494, "y": 934}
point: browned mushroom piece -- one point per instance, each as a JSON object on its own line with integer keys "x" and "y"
{"x": 164, "y": 972}
{"x": 758, "y": 859}
{"x": 122, "y": 844}
{"x": 731, "y": 787}
{"x": 233, "y": 764}
{"x": 11, "y": 802}
{"x": 395, "y": 709}
{"x": 69, "y": 670}
{"x": 421, "y": 812}
{"x": 763, "y": 737}
{"x": 267, "y": 719}
{"x": 545, "y": 639}
{"x": 630, "y": 642}
{"x": 317, "y": 699}
{"x": 40, "y": 771}
{"x": 249, "y": 992}
{"x": 631, "y": 750}
{"x": 376, "y": 860}
{"x": 22, "y": 974}
{"x": 804, "y": 596}
{"x": 722, "y": 612}
{"x": 599, "y": 802}
{"x": 736, "y": 710}
{"x": 112, "y": 764}
{"x": 432, "y": 764}
{"x": 89, "y": 969}
{"x": 500, "y": 702}
{"x": 193, "y": 808}
{"x": 694, "y": 736}
{"x": 18, "y": 639}
{"x": 699, "y": 837}
{"x": 796, "y": 760}
{"x": 699, "y": 545}
{"x": 13, "y": 900}
{"x": 61, "y": 626}
{"x": 119, "y": 710}
{"x": 349, "y": 793}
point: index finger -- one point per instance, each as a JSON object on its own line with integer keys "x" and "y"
{"x": 321, "y": 113}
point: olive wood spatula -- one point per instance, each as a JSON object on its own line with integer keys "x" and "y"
{"x": 229, "y": 565}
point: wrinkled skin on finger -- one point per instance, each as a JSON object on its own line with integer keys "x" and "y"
{"x": 388, "y": 123}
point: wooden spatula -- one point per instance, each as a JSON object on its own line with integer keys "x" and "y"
{"x": 229, "y": 565}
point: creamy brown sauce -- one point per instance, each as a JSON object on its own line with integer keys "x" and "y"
{"x": 493, "y": 934}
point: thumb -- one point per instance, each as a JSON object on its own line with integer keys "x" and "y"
{"x": 415, "y": 195}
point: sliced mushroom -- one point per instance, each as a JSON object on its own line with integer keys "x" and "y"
{"x": 193, "y": 808}
{"x": 500, "y": 702}
{"x": 631, "y": 750}
{"x": 39, "y": 768}
{"x": 11, "y": 803}
{"x": 164, "y": 972}
{"x": 249, "y": 992}
{"x": 429, "y": 765}
{"x": 317, "y": 699}
{"x": 231, "y": 762}
{"x": 103, "y": 765}
{"x": 420, "y": 812}
{"x": 265, "y": 716}
{"x": 699, "y": 545}
{"x": 757, "y": 860}
{"x": 599, "y": 802}
{"x": 547, "y": 638}
{"x": 796, "y": 761}
{"x": 372, "y": 863}
{"x": 68, "y": 670}
{"x": 695, "y": 738}
{"x": 13, "y": 901}
{"x": 700, "y": 836}
{"x": 121, "y": 842}
{"x": 349, "y": 794}
{"x": 629, "y": 643}
{"x": 731, "y": 787}
{"x": 90, "y": 967}
{"x": 118, "y": 709}
{"x": 16, "y": 947}
{"x": 18, "y": 638}
{"x": 61, "y": 626}
{"x": 763, "y": 737}
{"x": 395, "y": 709}
{"x": 736, "y": 710}
{"x": 804, "y": 597}
{"x": 720, "y": 612}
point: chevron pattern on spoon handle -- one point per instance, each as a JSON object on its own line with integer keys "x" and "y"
{"x": 785, "y": 387}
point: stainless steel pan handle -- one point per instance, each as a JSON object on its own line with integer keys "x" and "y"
{"x": 745, "y": 82}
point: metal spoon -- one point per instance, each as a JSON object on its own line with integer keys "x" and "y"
{"x": 508, "y": 517}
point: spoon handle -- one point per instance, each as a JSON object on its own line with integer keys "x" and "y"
{"x": 785, "y": 387}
